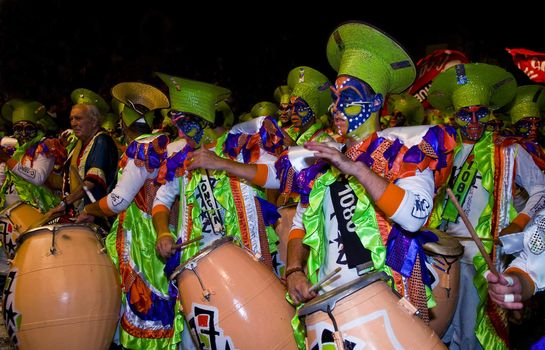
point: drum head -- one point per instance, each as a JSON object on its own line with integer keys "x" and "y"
{"x": 205, "y": 251}
{"x": 329, "y": 299}
{"x": 446, "y": 245}
{"x": 55, "y": 227}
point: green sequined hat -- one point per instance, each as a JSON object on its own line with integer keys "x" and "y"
{"x": 312, "y": 86}
{"x": 111, "y": 120}
{"x": 472, "y": 84}
{"x": 282, "y": 94}
{"x": 264, "y": 108}
{"x": 363, "y": 51}
{"x": 48, "y": 123}
{"x": 408, "y": 105}
{"x": 140, "y": 100}
{"x": 17, "y": 110}
{"x": 225, "y": 110}
{"x": 529, "y": 102}
{"x": 86, "y": 96}
{"x": 193, "y": 96}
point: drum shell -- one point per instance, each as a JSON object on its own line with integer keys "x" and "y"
{"x": 21, "y": 216}
{"x": 249, "y": 298}
{"x": 66, "y": 300}
{"x": 373, "y": 316}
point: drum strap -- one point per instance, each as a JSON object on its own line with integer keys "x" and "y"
{"x": 463, "y": 182}
{"x": 344, "y": 206}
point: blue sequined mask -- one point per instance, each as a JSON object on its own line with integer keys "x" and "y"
{"x": 301, "y": 108}
{"x": 354, "y": 100}
{"x": 188, "y": 125}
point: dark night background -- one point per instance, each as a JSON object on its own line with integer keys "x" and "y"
{"x": 49, "y": 48}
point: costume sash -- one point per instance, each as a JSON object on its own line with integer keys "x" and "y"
{"x": 464, "y": 181}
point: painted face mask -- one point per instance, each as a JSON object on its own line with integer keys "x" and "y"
{"x": 284, "y": 114}
{"x": 188, "y": 125}
{"x": 24, "y": 131}
{"x": 354, "y": 101}
{"x": 472, "y": 121}
{"x": 529, "y": 128}
{"x": 301, "y": 113}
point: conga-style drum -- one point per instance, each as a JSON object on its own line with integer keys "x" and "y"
{"x": 365, "y": 314}
{"x": 283, "y": 230}
{"x": 231, "y": 300}
{"x": 62, "y": 291}
{"x": 14, "y": 220}
{"x": 444, "y": 263}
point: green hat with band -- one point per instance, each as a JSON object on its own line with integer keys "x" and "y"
{"x": 408, "y": 105}
{"x": 312, "y": 86}
{"x": 363, "y": 51}
{"x": 139, "y": 100}
{"x": 195, "y": 97}
{"x": 111, "y": 120}
{"x": 264, "y": 108}
{"x": 528, "y": 103}
{"x": 282, "y": 94}
{"x": 472, "y": 84}
{"x": 17, "y": 110}
{"x": 88, "y": 97}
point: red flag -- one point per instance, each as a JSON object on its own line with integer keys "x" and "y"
{"x": 530, "y": 62}
{"x": 429, "y": 67}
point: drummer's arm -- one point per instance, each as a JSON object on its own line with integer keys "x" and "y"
{"x": 297, "y": 255}
{"x": 35, "y": 174}
{"x": 160, "y": 217}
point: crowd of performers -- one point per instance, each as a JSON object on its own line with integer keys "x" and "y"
{"x": 346, "y": 173}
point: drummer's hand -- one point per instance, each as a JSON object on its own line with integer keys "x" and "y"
{"x": 499, "y": 288}
{"x": 205, "y": 159}
{"x": 298, "y": 287}
{"x": 84, "y": 217}
{"x": 333, "y": 156}
{"x": 164, "y": 247}
{"x": 57, "y": 210}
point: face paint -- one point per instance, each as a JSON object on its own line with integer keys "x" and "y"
{"x": 284, "y": 114}
{"x": 354, "y": 101}
{"x": 472, "y": 121}
{"x": 301, "y": 113}
{"x": 529, "y": 127}
{"x": 494, "y": 125}
{"x": 397, "y": 119}
{"x": 189, "y": 126}
{"x": 24, "y": 131}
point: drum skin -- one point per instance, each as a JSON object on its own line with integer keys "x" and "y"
{"x": 370, "y": 317}
{"x": 246, "y": 309}
{"x": 66, "y": 300}
{"x": 21, "y": 216}
{"x": 444, "y": 258}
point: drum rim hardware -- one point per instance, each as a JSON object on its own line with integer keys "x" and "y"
{"x": 329, "y": 300}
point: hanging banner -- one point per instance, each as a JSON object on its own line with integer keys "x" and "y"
{"x": 530, "y": 62}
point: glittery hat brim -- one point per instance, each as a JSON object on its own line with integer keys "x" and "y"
{"x": 472, "y": 84}
{"x": 363, "y": 51}
{"x": 17, "y": 110}
{"x": 529, "y": 102}
{"x": 312, "y": 86}
{"x": 138, "y": 93}
{"x": 264, "y": 108}
{"x": 195, "y": 97}
{"x": 86, "y": 96}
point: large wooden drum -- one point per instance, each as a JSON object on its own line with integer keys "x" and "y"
{"x": 365, "y": 314}
{"x": 233, "y": 301}
{"x": 444, "y": 263}
{"x": 62, "y": 290}
{"x": 15, "y": 220}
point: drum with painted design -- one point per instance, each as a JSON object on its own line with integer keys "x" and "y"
{"x": 444, "y": 264}
{"x": 15, "y": 220}
{"x": 62, "y": 291}
{"x": 231, "y": 300}
{"x": 365, "y": 314}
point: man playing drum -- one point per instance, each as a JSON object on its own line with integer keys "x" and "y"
{"x": 365, "y": 211}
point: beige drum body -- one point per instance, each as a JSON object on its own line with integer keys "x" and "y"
{"x": 444, "y": 264}
{"x": 368, "y": 315}
{"x": 15, "y": 220}
{"x": 283, "y": 231}
{"x": 231, "y": 300}
{"x": 62, "y": 291}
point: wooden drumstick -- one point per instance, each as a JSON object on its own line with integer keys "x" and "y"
{"x": 186, "y": 243}
{"x": 326, "y": 278}
{"x": 473, "y": 234}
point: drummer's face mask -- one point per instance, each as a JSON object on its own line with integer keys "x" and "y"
{"x": 24, "y": 131}
{"x": 529, "y": 128}
{"x": 189, "y": 126}
{"x": 472, "y": 121}
{"x": 301, "y": 113}
{"x": 353, "y": 103}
